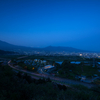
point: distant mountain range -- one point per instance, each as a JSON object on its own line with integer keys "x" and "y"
{"x": 9, "y": 47}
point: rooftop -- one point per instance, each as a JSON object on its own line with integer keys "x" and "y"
{"x": 48, "y": 66}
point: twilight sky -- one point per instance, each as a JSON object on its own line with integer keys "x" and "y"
{"x": 41, "y": 23}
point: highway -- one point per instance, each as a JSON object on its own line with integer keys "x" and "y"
{"x": 63, "y": 81}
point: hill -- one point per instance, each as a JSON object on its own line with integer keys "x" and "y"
{"x": 15, "y": 85}
{"x": 9, "y": 47}
{"x": 2, "y": 52}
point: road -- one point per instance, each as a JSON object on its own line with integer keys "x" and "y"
{"x": 53, "y": 78}
{"x": 22, "y": 57}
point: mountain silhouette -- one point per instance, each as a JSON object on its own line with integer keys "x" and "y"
{"x": 10, "y": 47}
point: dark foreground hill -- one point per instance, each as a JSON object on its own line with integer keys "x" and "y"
{"x": 20, "y": 86}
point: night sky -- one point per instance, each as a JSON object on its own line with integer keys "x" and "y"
{"x": 41, "y": 23}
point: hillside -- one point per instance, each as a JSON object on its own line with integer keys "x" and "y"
{"x": 9, "y": 47}
{"x": 21, "y": 86}
{"x": 2, "y": 52}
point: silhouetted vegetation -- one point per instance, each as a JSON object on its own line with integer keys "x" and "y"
{"x": 68, "y": 70}
{"x": 24, "y": 87}
{"x": 2, "y": 52}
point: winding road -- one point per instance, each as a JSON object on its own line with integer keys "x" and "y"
{"x": 63, "y": 81}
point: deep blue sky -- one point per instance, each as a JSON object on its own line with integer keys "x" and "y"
{"x": 41, "y": 23}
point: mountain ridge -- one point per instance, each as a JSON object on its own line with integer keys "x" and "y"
{"x": 10, "y": 47}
